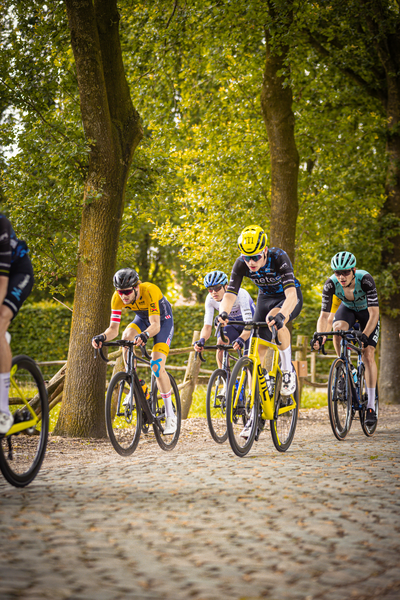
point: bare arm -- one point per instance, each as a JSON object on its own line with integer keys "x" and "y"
{"x": 227, "y": 303}
{"x": 372, "y": 321}
{"x": 110, "y": 333}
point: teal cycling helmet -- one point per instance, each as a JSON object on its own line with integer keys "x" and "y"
{"x": 343, "y": 261}
{"x": 215, "y": 278}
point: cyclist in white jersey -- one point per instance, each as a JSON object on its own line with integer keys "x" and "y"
{"x": 242, "y": 310}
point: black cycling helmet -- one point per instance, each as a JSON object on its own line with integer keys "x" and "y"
{"x": 125, "y": 279}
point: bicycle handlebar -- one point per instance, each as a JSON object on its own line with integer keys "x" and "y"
{"x": 215, "y": 347}
{"x": 343, "y": 333}
{"x": 254, "y": 325}
{"x": 125, "y": 344}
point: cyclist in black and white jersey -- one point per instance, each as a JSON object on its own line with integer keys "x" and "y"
{"x": 242, "y": 310}
{"x": 279, "y": 298}
{"x": 16, "y": 281}
{"x": 359, "y": 303}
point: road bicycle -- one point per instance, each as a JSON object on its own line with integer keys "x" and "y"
{"x": 216, "y": 392}
{"x": 347, "y": 389}
{"x": 258, "y": 397}
{"x": 23, "y": 447}
{"x": 131, "y": 407}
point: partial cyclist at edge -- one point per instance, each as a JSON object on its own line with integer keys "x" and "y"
{"x": 279, "y": 298}
{"x": 153, "y": 319}
{"x": 16, "y": 282}
{"x": 357, "y": 291}
{"x": 242, "y": 310}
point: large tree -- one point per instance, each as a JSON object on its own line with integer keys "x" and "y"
{"x": 361, "y": 39}
{"x": 276, "y": 105}
{"x": 112, "y": 128}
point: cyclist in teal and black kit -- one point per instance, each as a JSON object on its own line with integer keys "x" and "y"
{"x": 357, "y": 291}
{"x": 16, "y": 281}
{"x": 279, "y": 298}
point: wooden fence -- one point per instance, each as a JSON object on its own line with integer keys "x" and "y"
{"x": 194, "y": 374}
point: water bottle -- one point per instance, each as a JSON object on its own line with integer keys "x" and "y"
{"x": 145, "y": 389}
{"x": 270, "y": 382}
{"x": 354, "y": 373}
{"x": 241, "y": 392}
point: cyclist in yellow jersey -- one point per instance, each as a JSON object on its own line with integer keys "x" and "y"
{"x": 153, "y": 319}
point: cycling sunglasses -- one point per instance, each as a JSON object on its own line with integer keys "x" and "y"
{"x": 345, "y": 272}
{"x": 214, "y": 288}
{"x": 255, "y": 257}
{"x": 125, "y": 292}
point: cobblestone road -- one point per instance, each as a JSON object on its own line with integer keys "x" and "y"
{"x": 319, "y": 522}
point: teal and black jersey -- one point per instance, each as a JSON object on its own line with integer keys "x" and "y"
{"x": 365, "y": 292}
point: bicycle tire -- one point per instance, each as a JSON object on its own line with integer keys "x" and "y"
{"x": 216, "y": 406}
{"x": 367, "y": 429}
{"x": 123, "y": 423}
{"x": 29, "y": 446}
{"x": 339, "y": 399}
{"x": 244, "y": 411}
{"x": 166, "y": 442}
{"x": 284, "y": 426}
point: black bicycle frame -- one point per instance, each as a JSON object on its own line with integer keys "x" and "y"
{"x": 131, "y": 371}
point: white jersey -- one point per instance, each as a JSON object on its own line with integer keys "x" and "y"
{"x": 242, "y": 310}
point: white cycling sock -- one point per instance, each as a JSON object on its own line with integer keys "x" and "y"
{"x": 4, "y": 389}
{"x": 371, "y": 398}
{"x": 169, "y": 409}
{"x": 286, "y": 359}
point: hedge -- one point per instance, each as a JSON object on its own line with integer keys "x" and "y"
{"x": 42, "y": 330}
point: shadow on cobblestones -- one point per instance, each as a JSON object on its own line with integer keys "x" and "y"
{"x": 318, "y": 522}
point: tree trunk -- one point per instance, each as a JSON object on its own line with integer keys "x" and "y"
{"x": 113, "y": 129}
{"x": 276, "y": 106}
{"x": 389, "y": 375}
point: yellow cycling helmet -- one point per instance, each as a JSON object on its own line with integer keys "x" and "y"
{"x": 252, "y": 240}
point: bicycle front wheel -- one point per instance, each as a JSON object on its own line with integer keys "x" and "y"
{"x": 216, "y": 405}
{"x": 339, "y": 399}
{"x": 22, "y": 450}
{"x": 242, "y": 411}
{"x": 286, "y": 415}
{"x": 166, "y": 441}
{"x": 367, "y": 429}
{"x": 123, "y": 414}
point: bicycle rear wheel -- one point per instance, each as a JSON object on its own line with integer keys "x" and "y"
{"x": 22, "y": 453}
{"x": 286, "y": 415}
{"x": 367, "y": 429}
{"x": 123, "y": 414}
{"x": 166, "y": 442}
{"x": 339, "y": 399}
{"x": 242, "y": 411}
{"x": 216, "y": 405}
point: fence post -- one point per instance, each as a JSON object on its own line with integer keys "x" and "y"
{"x": 313, "y": 366}
{"x": 301, "y": 356}
{"x": 191, "y": 375}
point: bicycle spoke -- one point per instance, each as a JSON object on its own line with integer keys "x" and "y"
{"x": 23, "y": 449}
{"x": 339, "y": 399}
{"x": 166, "y": 441}
{"x": 123, "y": 418}
{"x": 216, "y": 406}
{"x": 242, "y": 409}
{"x": 283, "y": 426}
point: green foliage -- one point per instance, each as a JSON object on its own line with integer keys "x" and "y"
{"x": 42, "y": 330}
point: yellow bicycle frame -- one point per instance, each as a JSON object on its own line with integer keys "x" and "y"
{"x": 18, "y": 427}
{"x": 267, "y": 402}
